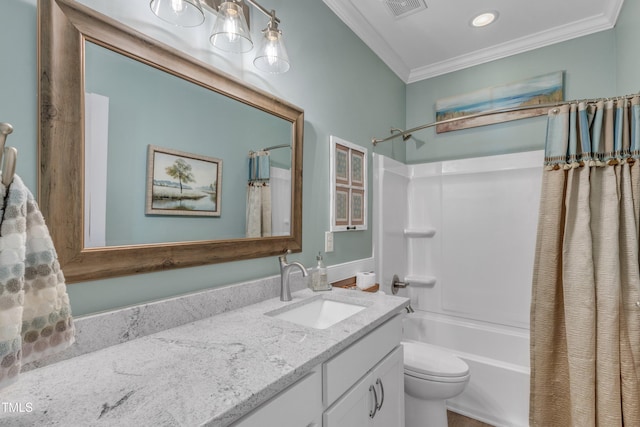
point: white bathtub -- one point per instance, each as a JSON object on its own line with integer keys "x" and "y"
{"x": 498, "y": 357}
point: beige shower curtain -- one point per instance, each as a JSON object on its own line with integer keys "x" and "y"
{"x": 585, "y": 309}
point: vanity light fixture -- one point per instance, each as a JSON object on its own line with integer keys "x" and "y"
{"x": 183, "y": 13}
{"x": 484, "y": 19}
{"x": 272, "y": 56}
{"x": 228, "y": 32}
{"x": 231, "y": 31}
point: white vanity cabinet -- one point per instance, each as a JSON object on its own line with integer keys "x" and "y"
{"x": 300, "y": 405}
{"x": 361, "y": 386}
{"x": 376, "y": 400}
{"x": 364, "y": 385}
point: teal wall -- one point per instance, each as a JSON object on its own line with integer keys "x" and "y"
{"x": 197, "y": 121}
{"x": 627, "y": 39}
{"x": 604, "y": 64}
{"x": 589, "y": 65}
{"x": 344, "y": 89}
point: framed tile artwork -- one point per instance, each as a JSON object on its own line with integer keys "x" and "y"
{"x": 348, "y": 174}
{"x": 358, "y": 207}
{"x": 342, "y": 207}
{"x": 342, "y": 164}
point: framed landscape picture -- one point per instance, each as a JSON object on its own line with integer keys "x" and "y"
{"x": 180, "y": 183}
{"x": 548, "y": 88}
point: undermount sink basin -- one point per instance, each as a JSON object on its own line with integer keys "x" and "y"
{"x": 318, "y": 313}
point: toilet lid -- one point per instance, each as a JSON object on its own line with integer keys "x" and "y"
{"x": 428, "y": 359}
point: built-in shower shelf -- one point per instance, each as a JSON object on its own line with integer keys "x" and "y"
{"x": 420, "y": 280}
{"x": 419, "y": 232}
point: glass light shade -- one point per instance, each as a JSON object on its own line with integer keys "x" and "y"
{"x": 272, "y": 56}
{"x": 184, "y": 13}
{"x": 231, "y": 32}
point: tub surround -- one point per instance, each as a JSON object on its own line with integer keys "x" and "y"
{"x": 210, "y": 371}
{"x": 480, "y": 316}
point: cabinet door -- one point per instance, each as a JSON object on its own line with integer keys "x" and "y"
{"x": 384, "y": 387}
{"x": 388, "y": 378}
{"x": 298, "y": 406}
{"x": 353, "y": 408}
{"x": 353, "y": 363}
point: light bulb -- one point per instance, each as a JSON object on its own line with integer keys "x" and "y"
{"x": 271, "y": 50}
{"x": 183, "y": 13}
{"x": 230, "y": 27}
{"x": 178, "y": 6}
{"x": 230, "y": 31}
{"x": 272, "y": 56}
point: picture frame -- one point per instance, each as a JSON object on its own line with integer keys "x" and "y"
{"x": 342, "y": 164}
{"x": 348, "y": 191}
{"x": 357, "y": 207}
{"x": 544, "y": 89}
{"x": 342, "y": 207}
{"x": 357, "y": 168}
{"x": 182, "y": 184}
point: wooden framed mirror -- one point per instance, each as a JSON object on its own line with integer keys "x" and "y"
{"x": 70, "y": 32}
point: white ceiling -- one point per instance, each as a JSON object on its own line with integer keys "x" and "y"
{"x": 439, "y": 39}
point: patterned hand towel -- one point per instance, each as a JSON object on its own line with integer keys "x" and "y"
{"x": 35, "y": 316}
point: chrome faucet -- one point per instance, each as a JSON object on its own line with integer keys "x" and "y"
{"x": 285, "y": 270}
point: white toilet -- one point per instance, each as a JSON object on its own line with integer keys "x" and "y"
{"x": 431, "y": 376}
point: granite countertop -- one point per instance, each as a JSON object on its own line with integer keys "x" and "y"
{"x": 211, "y": 372}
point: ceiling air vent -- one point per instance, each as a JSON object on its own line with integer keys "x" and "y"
{"x": 402, "y": 8}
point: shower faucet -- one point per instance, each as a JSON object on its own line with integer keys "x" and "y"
{"x": 397, "y": 284}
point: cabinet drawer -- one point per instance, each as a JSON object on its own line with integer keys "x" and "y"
{"x": 297, "y": 406}
{"x": 345, "y": 369}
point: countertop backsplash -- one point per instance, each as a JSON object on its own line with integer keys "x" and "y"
{"x": 98, "y": 331}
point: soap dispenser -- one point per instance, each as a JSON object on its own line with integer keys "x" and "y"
{"x": 319, "y": 280}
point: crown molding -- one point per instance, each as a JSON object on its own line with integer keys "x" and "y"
{"x": 367, "y": 33}
{"x": 350, "y": 15}
{"x": 524, "y": 44}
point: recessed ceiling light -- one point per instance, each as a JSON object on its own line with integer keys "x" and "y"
{"x": 484, "y": 19}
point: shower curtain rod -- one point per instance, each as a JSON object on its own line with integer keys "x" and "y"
{"x": 406, "y": 134}
{"x": 274, "y": 147}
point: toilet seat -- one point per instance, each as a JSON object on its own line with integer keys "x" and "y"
{"x": 429, "y": 362}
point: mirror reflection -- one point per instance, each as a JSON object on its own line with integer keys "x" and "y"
{"x": 128, "y": 107}
{"x": 168, "y": 120}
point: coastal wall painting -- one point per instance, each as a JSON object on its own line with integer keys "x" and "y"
{"x": 180, "y": 183}
{"x": 543, "y": 89}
